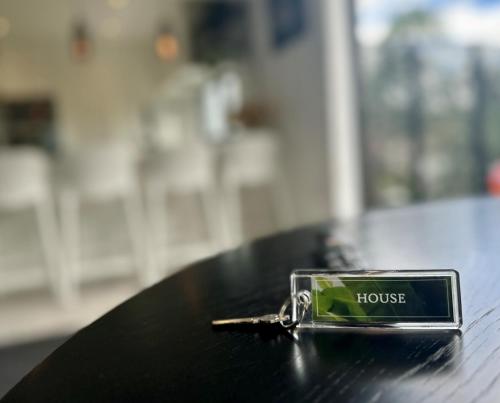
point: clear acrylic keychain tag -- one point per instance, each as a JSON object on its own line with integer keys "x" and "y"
{"x": 394, "y": 299}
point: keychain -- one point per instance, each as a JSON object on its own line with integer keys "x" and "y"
{"x": 394, "y": 299}
{"x": 341, "y": 297}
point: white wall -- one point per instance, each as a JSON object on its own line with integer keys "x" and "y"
{"x": 291, "y": 79}
{"x": 99, "y": 97}
{"x": 102, "y": 96}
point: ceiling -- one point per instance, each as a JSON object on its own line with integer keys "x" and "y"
{"x": 113, "y": 19}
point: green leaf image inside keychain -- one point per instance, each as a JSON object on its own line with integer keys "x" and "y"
{"x": 351, "y": 299}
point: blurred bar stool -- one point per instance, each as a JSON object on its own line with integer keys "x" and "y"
{"x": 188, "y": 171}
{"x": 25, "y": 183}
{"x": 251, "y": 160}
{"x": 102, "y": 173}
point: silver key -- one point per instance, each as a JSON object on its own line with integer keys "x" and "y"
{"x": 252, "y": 320}
{"x": 303, "y": 300}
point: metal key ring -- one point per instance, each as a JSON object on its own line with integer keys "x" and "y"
{"x": 303, "y": 300}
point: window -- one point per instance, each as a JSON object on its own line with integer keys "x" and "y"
{"x": 430, "y": 97}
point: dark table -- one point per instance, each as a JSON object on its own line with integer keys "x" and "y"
{"x": 159, "y": 346}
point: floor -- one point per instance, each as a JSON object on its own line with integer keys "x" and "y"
{"x": 34, "y": 315}
{"x": 32, "y": 323}
{"x": 17, "y": 360}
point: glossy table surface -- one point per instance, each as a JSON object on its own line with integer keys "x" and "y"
{"x": 159, "y": 346}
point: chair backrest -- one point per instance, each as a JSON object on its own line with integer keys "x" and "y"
{"x": 103, "y": 171}
{"x": 24, "y": 176}
{"x": 186, "y": 169}
{"x": 251, "y": 159}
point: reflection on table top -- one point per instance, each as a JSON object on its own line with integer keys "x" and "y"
{"x": 159, "y": 346}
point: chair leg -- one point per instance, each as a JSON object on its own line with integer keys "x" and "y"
{"x": 212, "y": 217}
{"x": 162, "y": 207}
{"x": 159, "y": 223}
{"x": 233, "y": 221}
{"x": 70, "y": 231}
{"x": 47, "y": 232}
{"x": 135, "y": 223}
{"x": 282, "y": 203}
{"x": 47, "y": 226}
{"x": 150, "y": 238}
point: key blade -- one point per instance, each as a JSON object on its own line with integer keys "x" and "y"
{"x": 252, "y": 320}
{"x": 235, "y": 321}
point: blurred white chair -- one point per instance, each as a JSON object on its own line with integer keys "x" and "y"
{"x": 219, "y": 98}
{"x": 25, "y": 183}
{"x": 251, "y": 160}
{"x": 186, "y": 171}
{"x": 103, "y": 173}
